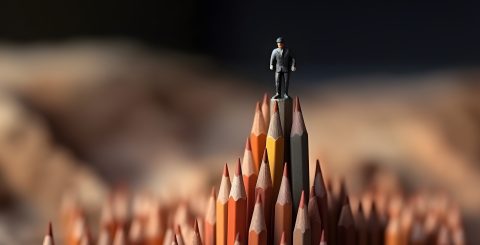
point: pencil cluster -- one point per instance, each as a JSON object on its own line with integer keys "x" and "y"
{"x": 269, "y": 199}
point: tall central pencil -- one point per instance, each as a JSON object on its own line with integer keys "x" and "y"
{"x": 258, "y": 137}
{"x": 275, "y": 148}
{"x": 237, "y": 208}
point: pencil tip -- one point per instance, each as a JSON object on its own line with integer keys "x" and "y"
{"x": 265, "y": 156}
{"x": 275, "y": 106}
{"x": 259, "y": 198}
{"x": 178, "y": 230}
{"x": 302, "y": 200}
{"x": 265, "y": 97}
{"x": 212, "y": 193}
{"x": 285, "y": 170}
{"x": 225, "y": 171}
{"x": 195, "y": 227}
{"x": 323, "y": 239}
{"x": 50, "y": 230}
{"x": 297, "y": 104}
{"x": 238, "y": 172}
{"x": 312, "y": 191}
{"x": 248, "y": 145}
{"x": 258, "y": 107}
{"x": 282, "y": 240}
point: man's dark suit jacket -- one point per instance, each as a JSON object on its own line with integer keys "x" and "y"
{"x": 283, "y": 61}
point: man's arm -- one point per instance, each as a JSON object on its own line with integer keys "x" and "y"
{"x": 293, "y": 68}
{"x": 272, "y": 59}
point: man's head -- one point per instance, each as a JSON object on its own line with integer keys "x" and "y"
{"x": 280, "y": 42}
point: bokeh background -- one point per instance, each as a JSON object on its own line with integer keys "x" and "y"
{"x": 158, "y": 95}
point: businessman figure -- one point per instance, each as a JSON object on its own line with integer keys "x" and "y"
{"x": 283, "y": 62}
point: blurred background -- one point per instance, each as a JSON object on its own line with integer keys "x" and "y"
{"x": 146, "y": 94}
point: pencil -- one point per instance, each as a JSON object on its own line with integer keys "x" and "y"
{"x": 258, "y": 137}
{"x": 299, "y": 155}
{"x": 154, "y": 229}
{"x": 168, "y": 238}
{"x": 238, "y": 239}
{"x": 135, "y": 234}
{"x": 120, "y": 238}
{"x": 257, "y": 234}
{"x": 393, "y": 232}
{"x": 179, "y": 235}
{"x": 174, "y": 241}
{"x": 417, "y": 235}
{"x": 314, "y": 216}
{"x": 302, "y": 232}
{"x": 283, "y": 211}
{"x": 249, "y": 178}
{"x": 275, "y": 148}
{"x": 264, "y": 188}
{"x": 237, "y": 208}
{"x": 444, "y": 236}
{"x": 323, "y": 238}
{"x": 406, "y": 221}
{"x": 282, "y": 240}
{"x": 104, "y": 237}
{"x": 196, "y": 239}
{"x": 48, "y": 239}
{"x": 222, "y": 207}
{"x": 361, "y": 224}
{"x": 373, "y": 227}
{"x": 266, "y": 109}
{"x": 322, "y": 199}
{"x": 346, "y": 234}
{"x": 210, "y": 220}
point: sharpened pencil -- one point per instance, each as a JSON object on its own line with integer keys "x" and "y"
{"x": 361, "y": 224}
{"x": 258, "y": 137}
{"x": 104, "y": 237}
{"x": 322, "y": 198}
{"x": 238, "y": 240}
{"x": 264, "y": 188}
{"x": 323, "y": 238}
{"x": 373, "y": 227}
{"x": 266, "y": 109}
{"x": 179, "y": 235}
{"x": 136, "y": 232}
{"x": 237, "y": 208}
{"x": 301, "y": 232}
{"x": 283, "y": 211}
{"x": 314, "y": 216}
{"x": 299, "y": 164}
{"x": 154, "y": 231}
{"x": 174, "y": 241}
{"x": 168, "y": 238}
{"x": 249, "y": 178}
{"x": 120, "y": 238}
{"x": 282, "y": 240}
{"x": 275, "y": 148}
{"x": 222, "y": 207}
{"x": 196, "y": 239}
{"x": 257, "y": 234}
{"x": 210, "y": 220}
{"x": 48, "y": 239}
{"x": 346, "y": 234}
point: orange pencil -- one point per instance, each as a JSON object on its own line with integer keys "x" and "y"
{"x": 222, "y": 208}
{"x": 266, "y": 109}
{"x": 196, "y": 239}
{"x": 264, "y": 188}
{"x": 174, "y": 241}
{"x": 249, "y": 178}
{"x": 136, "y": 232}
{"x": 257, "y": 234}
{"x": 237, "y": 208}
{"x": 48, "y": 239}
{"x": 210, "y": 220}
{"x": 179, "y": 236}
{"x": 283, "y": 211}
{"x": 168, "y": 238}
{"x": 258, "y": 137}
{"x": 104, "y": 237}
{"x": 120, "y": 238}
{"x": 154, "y": 229}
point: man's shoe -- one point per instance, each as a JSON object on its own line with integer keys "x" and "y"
{"x": 286, "y": 96}
{"x": 276, "y": 96}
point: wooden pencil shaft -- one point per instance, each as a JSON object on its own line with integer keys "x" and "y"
{"x": 283, "y": 223}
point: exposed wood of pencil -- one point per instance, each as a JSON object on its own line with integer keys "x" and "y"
{"x": 323, "y": 238}
{"x": 210, "y": 220}
{"x": 258, "y": 137}
{"x": 314, "y": 216}
{"x": 393, "y": 232}
{"x": 275, "y": 148}
{"x": 283, "y": 211}
{"x": 48, "y": 239}
{"x": 299, "y": 155}
{"x": 417, "y": 235}
{"x": 257, "y": 234}
{"x": 361, "y": 225}
{"x": 249, "y": 178}
{"x": 322, "y": 199}
{"x": 237, "y": 208}
{"x": 179, "y": 235}
{"x": 174, "y": 241}
{"x": 154, "y": 229}
{"x": 266, "y": 109}
{"x": 120, "y": 238}
{"x": 196, "y": 239}
{"x": 104, "y": 237}
{"x": 238, "y": 239}
{"x": 264, "y": 188}
{"x": 301, "y": 232}
{"x": 136, "y": 232}
{"x": 168, "y": 238}
{"x": 346, "y": 234}
{"x": 282, "y": 240}
{"x": 406, "y": 221}
{"x": 222, "y": 208}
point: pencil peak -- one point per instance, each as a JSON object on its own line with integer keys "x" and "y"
{"x": 302, "y": 200}
{"x": 195, "y": 227}
{"x": 212, "y": 193}
{"x": 258, "y": 199}
{"x": 282, "y": 240}
{"x": 322, "y": 238}
{"x": 312, "y": 191}
{"x": 258, "y": 107}
{"x": 50, "y": 230}
{"x": 225, "y": 171}
{"x": 265, "y": 97}
{"x": 178, "y": 230}
{"x": 248, "y": 145}
{"x": 285, "y": 170}
{"x": 265, "y": 156}
{"x": 238, "y": 171}
{"x": 297, "y": 104}
{"x": 275, "y": 106}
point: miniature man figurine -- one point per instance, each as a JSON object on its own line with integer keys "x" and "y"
{"x": 284, "y": 62}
